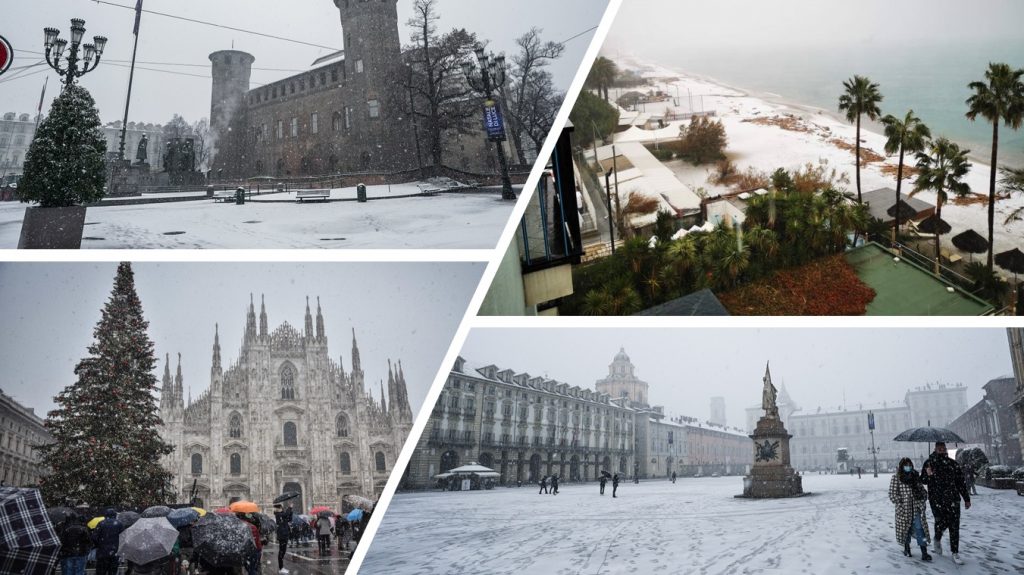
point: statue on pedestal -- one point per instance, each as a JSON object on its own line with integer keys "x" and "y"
{"x": 142, "y": 154}
{"x": 769, "y": 395}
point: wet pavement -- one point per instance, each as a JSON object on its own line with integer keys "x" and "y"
{"x": 306, "y": 560}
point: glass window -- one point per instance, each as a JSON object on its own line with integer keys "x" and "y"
{"x": 197, "y": 464}
{"x": 287, "y": 382}
{"x": 314, "y": 123}
{"x": 374, "y": 106}
{"x": 290, "y": 435}
{"x": 295, "y": 127}
{"x": 381, "y": 463}
{"x": 348, "y": 117}
{"x": 236, "y": 464}
{"x": 346, "y": 463}
{"x": 342, "y": 425}
{"x": 235, "y": 426}
{"x": 280, "y": 129}
{"x": 359, "y": 66}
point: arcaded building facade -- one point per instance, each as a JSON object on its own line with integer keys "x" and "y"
{"x": 349, "y": 113}
{"x": 284, "y": 416}
{"x": 21, "y": 430}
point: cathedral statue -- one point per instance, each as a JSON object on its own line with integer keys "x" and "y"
{"x": 768, "y": 395}
{"x": 142, "y": 154}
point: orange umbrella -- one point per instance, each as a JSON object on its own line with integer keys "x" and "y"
{"x": 244, "y": 507}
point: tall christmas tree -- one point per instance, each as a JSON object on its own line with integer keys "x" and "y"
{"x": 107, "y": 450}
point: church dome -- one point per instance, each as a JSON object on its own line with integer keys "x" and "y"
{"x": 621, "y": 356}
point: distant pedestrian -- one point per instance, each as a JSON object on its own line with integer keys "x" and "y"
{"x": 603, "y": 481}
{"x": 908, "y": 494}
{"x": 543, "y": 485}
{"x": 323, "y": 532}
{"x": 106, "y": 538}
{"x": 673, "y": 477}
{"x": 283, "y": 518}
{"x": 969, "y": 477}
{"x": 554, "y": 485}
{"x": 946, "y": 486}
{"x": 74, "y": 546}
{"x": 858, "y": 472}
{"x": 615, "y": 484}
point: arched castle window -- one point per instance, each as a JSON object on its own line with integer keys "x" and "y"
{"x": 287, "y": 382}
{"x": 342, "y": 425}
{"x": 346, "y": 463}
{"x": 236, "y": 464}
{"x": 197, "y": 464}
{"x": 379, "y": 460}
{"x": 235, "y": 426}
{"x": 290, "y": 435}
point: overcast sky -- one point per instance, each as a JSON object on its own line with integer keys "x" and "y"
{"x": 642, "y": 25}
{"x": 157, "y": 96}
{"x": 406, "y": 311}
{"x": 686, "y": 367}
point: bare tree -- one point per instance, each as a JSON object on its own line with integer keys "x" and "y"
{"x": 530, "y": 95}
{"x": 203, "y": 144}
{"x": 442, "y": 101}
{"x": 178, "y": 127}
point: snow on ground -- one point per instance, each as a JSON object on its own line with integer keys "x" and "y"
{"x": 694, "y": 526}
{"x": 767, "y": 147}
{"x": 471, "y": 220}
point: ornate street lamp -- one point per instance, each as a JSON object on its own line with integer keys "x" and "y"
{"x": 488, "y": 80}
{"x": 91, "y": 53}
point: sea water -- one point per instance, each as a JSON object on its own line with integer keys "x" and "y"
{"x": 929, "y": 78}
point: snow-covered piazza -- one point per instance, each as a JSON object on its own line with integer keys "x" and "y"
{"x": 395, "y": 217}
{"x": 845, "y": 526}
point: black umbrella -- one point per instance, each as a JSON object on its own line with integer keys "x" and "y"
{"x": 156, "y": 511}
{"x": 28, "y": 542}
{"x": 934, "y": 225}
{"x": 325, "y": 513}
{"x": 929, "y": 435}
{"x": 59, "y": 515}
{"x": 971, "y": 242}
{"x": 223, "y": 541}
{"x": 128, "y": 518}
{"x": 267, "y": 523}
{"x": 606, "y": 473}
{"x": 1012, "y": 260}
{"x": 286, "y": 496}
{"x": 907, "y": 211}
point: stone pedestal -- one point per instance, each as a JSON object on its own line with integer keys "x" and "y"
{"x": 771, "y": 476}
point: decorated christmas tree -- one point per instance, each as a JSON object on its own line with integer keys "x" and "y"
{"x": 64, "y": 165}
{"x": 107, "y": 450}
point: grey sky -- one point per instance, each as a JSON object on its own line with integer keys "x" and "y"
{"x": 157, "y": 96}
{"x": 406, "y": 311}
{"x": 641, "y": 25}
{"x": 686, "y": 367}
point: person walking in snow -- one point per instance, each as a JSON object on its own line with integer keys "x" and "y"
{"x": 615, "y": 484}
{"x": 603, "y": 482}
{"x": 543, "y": 485}
{"x": 283, "y": 518}
{"x": 908, "y": 494}
{"x": 554, "y": 485}
{"x": 673, "y": 477}
{"x": 946, "y": 486}
{"x": 969, "y": 477}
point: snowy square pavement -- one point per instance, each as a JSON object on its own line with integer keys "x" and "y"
{"x": 694, "y": 526}
{"x": 463, "y": 220}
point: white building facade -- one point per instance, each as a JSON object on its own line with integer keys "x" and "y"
{"x": 21, "y": 430}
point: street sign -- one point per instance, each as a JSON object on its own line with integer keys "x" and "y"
{"x": 6, "y": 55}
{"x": 871, "y": 421}
{"x": 494, "y": 124}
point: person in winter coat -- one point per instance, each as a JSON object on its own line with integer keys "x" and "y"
{"x": 252, "y": 563}
{"x": 284, "y": 522}
{"x": 75, "y": 544}
{"x": 969, "y": 477}
{"x": 323, "y": 531}
{"x": 615, "y": 484}
{"x": 106, "y": 538}
{"x": 946, "y": 486}
{"x": 543, "y": 485}
{"x": 554, "y": 484}
{"x": 908, "y": 494}
{"x": 673, "y": 477}
{"x": 603, "y": 481}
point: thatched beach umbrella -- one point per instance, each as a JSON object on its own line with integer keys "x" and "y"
{"x": 971, "y": 242}
{"x": 907, "y": 212}
{"x": 934, "y": 225}
{"x": 1011, "y": 260}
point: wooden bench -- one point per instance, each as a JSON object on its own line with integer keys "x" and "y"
{"x": 224, "y": 196}
{"x": 322, "y": 195}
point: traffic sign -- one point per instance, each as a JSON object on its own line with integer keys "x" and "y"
{"x": 6, "y": 55}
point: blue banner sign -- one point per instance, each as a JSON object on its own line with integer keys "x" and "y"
{"x": 494, "y": 124}
{"x": 871, "y": 420}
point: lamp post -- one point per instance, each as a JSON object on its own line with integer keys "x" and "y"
{"x": 55, "y": 46}
{"x": 874, "y": 451}
{"x": 488, "y": 80}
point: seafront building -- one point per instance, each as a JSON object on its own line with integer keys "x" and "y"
{"x": 527, "y": 427}
{"x": 21, "y": 431}
{"x": 1016, "y": 337}
{"x": 991, "y": 423}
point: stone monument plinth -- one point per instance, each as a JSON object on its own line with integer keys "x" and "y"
{"x": 771, "y": 475}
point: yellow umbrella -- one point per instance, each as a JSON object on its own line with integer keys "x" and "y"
{"x": 200, "y": 511}
{"x": 244, "y": 507}
{"x": 94, "y": 522}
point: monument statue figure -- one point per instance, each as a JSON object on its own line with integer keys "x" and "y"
{"x": 769, "y": 395}
{"x": 142, "y": 153}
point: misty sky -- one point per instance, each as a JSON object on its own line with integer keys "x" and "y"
{"x": 646, "y": 26}
{"x": 157, "y": 96}
{"x": 406, "y": 311}
{"x": 686, "y": 367}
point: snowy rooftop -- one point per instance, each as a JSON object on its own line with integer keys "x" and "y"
{"x": 651, "y": 178}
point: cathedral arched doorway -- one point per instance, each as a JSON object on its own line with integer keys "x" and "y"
{"x": 297, "y": 503}
{"x": 535, "y": 468}
{"x": 622, "y": 465}
{"x": 487, "y": 460}
{"x": 574, "y": 468}
{"x": 606, "y": 464}
{"x": 449, "y": 460}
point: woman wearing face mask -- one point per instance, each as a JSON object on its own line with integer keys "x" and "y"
{"x": 908, "y": 494}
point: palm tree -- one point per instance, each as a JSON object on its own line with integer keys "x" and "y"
{"x": 861, "y": 98}
{"x": 1001, "y": 99}
{"x": 1013, "y": 181}
{"x": 906, "y": 135}
{"x": 942, "y": 169}
{"x": 602, "y": 75}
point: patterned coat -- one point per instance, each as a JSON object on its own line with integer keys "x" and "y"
{"x": 902, "y": 496}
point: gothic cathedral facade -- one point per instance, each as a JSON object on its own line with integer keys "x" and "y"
{"x": 283, "y": 417}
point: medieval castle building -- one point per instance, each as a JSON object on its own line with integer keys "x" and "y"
{"x": 283, "y": 417}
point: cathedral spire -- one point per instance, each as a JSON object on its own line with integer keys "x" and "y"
{"x": 215, "y": 366}
{"x": 383, "y": 404}
{"x": 250, "y": 322}
{"x": 391, "y": 386}
{"x": 309, "y": 321}
{"x": 177, "y": 376}
{"x": 319, "y": 321}
{"x": 263, "y": 317}
{"x": 167, "y": 389}
{"x": 356, "y": 364}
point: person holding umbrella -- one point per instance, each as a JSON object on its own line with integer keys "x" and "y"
{"x": 284, "y": 521}
{"x": 615, "y": 484}
{"x": 908, "y": 494}
{"x": 106, "y": 538}
{"x": 603, "y": 482}
{"x": 323, "y": 532}
{"x": 945, "y": 481}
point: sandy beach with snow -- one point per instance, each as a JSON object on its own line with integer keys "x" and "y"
{"x": 765, "y": 132}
